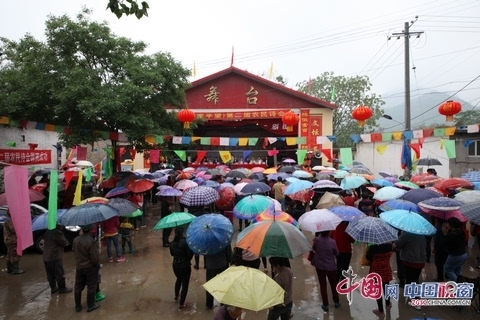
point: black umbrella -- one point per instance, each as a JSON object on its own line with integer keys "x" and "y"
{"x": 236, "y": 174}
{"x": 256, "y": 176}
{"x": 287, "y": 169}
{"x": 419, "y": 195}
{"x": 428, "y": 162}
{"x": 255, "y": 187}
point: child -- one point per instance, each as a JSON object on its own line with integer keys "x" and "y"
{"x": 125, "y": 228}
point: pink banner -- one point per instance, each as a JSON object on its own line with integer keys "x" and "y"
{"x": 16, "y": 190}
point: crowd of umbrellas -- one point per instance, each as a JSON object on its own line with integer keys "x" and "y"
{"x": 406, "y": 206}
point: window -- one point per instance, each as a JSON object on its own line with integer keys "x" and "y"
{"x": 474, "y": 149}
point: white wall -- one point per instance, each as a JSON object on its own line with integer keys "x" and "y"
{"x": 44, "y": 139}
{"x": 390, "y": 161}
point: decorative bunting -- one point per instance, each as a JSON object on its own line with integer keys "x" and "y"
{"x": 301, "y": 140}
{"x": 226, "y": 156}
{"x": 420, "y": 142}
{"x": 187, "y": 140}
{"x": 327, "y": 153}
{"x": 200, "y": 155}
{"x": 78, "y": 190}
{"x": 468, "y": 143}
{"x": 114, "y": 136}
{"x": 417, "y": 134}
{"x": 427, "y": 133}
{"x": 272, "y": 140}
{"x": 322, "y": 140}
{"x": 11, "y": 144}
{"x": 224, "y": 141}
{"x": 242, "y": 142}
{"x": 473, "y": 128}
{"x": 252, "y": 141}
{"x": 50, "y": 127}
{"x": 450, "y": 148}
{"x": 416, "y": 148}
{"x": 397, "y": 135}
{"x": 439, "y": 132}
{"x": 450, "y": 131}
{"x": 88, "y": 174}
{"x": 246, "y": 154}
{"x": 182, "y": 154}
{"x": 301, "y": 156}
{"x": 381, "y": 149}
{"x": 387, "y": 136}
{"x": 291, "y": 141}
{"x": 346, "y": 156}
{"x": 271, "y": 153}
{"x": 233, "y": 142}
{"x": 355, "y": 138}
{"x": 177, "y": 140}
{"x": 332, "y": 138}
{"x": 408, "y": 135}
{"x": 4, "y": 120}
{"x": 214, "y": 141}
{"x": 366, "y": 137}
{"x": 158, "y": 139}
{"x": 205, "y": 141}
{"x": 376, "y": 137}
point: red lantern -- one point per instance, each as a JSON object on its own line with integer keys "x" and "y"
{"x": 361, "y": 114}
{"x": 449, "y": 109}
{"x": 186, "y": 116}
{"x": 290, "y": 118}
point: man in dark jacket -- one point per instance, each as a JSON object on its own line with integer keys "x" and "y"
{"x": 10, "y": 239}
{"x": 88, "y": 265}
{"x": 54, "y": 244}
{"x": 216, "y": 264}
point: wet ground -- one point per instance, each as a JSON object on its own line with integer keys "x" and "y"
{"x": 142, "y": 287}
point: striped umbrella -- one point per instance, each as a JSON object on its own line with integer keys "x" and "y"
{"x": 269, "y": 215}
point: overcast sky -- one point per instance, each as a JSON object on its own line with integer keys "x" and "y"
{"x": 300, "y": 38}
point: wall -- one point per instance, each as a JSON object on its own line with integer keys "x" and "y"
{"x": 390, "y": 160}
{"x": 463, "y": 163}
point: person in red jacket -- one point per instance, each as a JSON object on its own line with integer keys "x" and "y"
{"x": 110, "y": 233}
{"x": 379, "y": 257}
{"x": 344, "y": 244}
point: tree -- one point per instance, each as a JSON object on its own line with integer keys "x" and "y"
{"x": 467, "y": 117}
{"x": 347, "y": 93}
{"x": 86, "y": 78}
{"x": 128, "y": 7}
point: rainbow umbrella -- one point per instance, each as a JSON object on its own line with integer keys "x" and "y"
{"x": 269, "y": 215}
{"x": 273, "y": 239}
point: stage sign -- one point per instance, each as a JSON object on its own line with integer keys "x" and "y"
{"x": 304, "y": 126}
{"x": 245, "y": 115}
{"x": 314, "y": 130}
{"x": 25, "y": 157}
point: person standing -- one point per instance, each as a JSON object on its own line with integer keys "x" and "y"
{"x": 440, "y": 250}
{"x": 216, "y": 264}
{"x": 182, "y": 255}
{"x": 456, "y": 246}
{"x": 278, "y": 192}
{"x": 284, "y": 278}
{"x": 87, "y": 268}
{"x": 110, "y": 233}
{"x": 54, "y": 245}
{"x": 125, "y": 229}
{"x": 10, "y": 239}
{"x": 166, "y": 206}
{"x": 379, "y": 257}
{"x": 344, "y": 244}
{"x": 325, "y": 251}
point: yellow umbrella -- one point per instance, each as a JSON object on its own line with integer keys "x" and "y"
{"x": 270, "y": 171}
{"x": 246, "y": 288}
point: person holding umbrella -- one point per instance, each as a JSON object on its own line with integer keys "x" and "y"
{"x": 182, "y": 255}
{"x": 216, "y": 264}
{"x": 284, "y": 277}
{"x": 325, "y": 252}
{"x": 457, "y": 249}
{"x": 379, "y": 257}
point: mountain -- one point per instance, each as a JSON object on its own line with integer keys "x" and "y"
{"x": 423, "y": 110}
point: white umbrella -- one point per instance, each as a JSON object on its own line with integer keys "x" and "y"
{"x": 319, "y": 220}
{"x": 239, "y": 186}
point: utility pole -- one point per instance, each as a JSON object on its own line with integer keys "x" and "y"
{"x": 406, "y": 33}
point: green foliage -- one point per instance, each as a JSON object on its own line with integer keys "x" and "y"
{"x": 128, "y": 7}
{"x": 85, "y": 77}
{"x": 350, "y": 92}
{"x": 467, "y": 117}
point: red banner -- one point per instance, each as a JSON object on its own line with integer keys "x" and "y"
{"x": 304, "y": 126}
{"x": 25, "y": 157}
{"x": 245, "y": 115}
{"x": 314, "y": 130}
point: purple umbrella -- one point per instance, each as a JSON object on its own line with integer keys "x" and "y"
{"x": 399, "y": 204}
{"x": 117, "y": 192}
{"x": 419, "y": 195}
{"x": 167, "y": 191}
{"x": 440, "y": 204}
{"x": 288, "y": 160}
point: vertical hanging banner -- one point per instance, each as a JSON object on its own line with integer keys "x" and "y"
{"x": 314, "y": 130}
{"x": 304, "y": 126}
{"x": 52, "y": 200}
{"x": 78, "y": 190}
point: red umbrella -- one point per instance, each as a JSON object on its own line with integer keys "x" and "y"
{"x": 453, "y": 183}
{"x": 445, "y": 215}
{"x": 185, "y": 175}
{"x": 139, "y": 186}
{"x": 303, "y": 195}
{"x": 429, "y": 179}
{"x": 227, "y": 198}
{"x": 417, "y": 177}
{"x": 33, "y": 195}
{"x": 39, "y": 187}
{"x": 109, "y": 183}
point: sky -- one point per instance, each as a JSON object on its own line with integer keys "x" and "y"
{"x": 300, "y": 39}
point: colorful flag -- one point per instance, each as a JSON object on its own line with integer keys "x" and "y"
{"x": 52, "y": 200}
{"x": 78, "y": 191}
{"x": 182, "y": 154}
{"x": 333, "y": 94}
{"x": 226, "y": 156}
{"x": 301, "y": 156}
{"x": 270, "y": 71}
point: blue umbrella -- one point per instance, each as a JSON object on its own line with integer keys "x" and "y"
{"x": 158, "y": 175}
{"x": 257, "y": 176}
{"x": 255, "y": 187}
{"x": 419, "y": 195}
{"x": 211, "y": 184}
{"x": 118, "y": 191}
{"x": 298, "y": 186}
{"x": 348, "y": 213}
{"x": 399, "y": 204}
{"x": 292, "y": 179}
{"x": 388, "y": 193}
{"x": 476, "y": 185}
{"x": 273, "y": 176}
{"x": 352, "y": 182}
{"x": 41, "y": 221}
{"x": 472, "y": 176}
{"x": 408, "y": 221}
{"x": 199, "y": 180}
{"x": 209, "y": 234}
{"x": 87, "y": 213}
{"x": 250, "y": 206}
{"x": 372, "y": 230}
{"x": 382, "y": 182}
{"x": 440, "y": 204}
{"x": 124, "y": 206}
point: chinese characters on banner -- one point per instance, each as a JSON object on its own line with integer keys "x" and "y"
{"x": 314, "y": 130}
{"x": 25, "y": 157}
{"x": 214, "y": 95}
{"x": 246, "y": 115}
{"x": 304, "y": 126}
{"x": 252, "y": 96}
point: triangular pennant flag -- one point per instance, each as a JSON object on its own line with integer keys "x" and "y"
{"x": 381, "y": 149}
{"x": 450, "y": 148}
{"x": 200, "y": 155}
{"x": 242, "y": 142}
{"x": 301, "y": 140}
{"x": 450, "y": 131}
{"x": 439, "y": 132}
{"x": 246, "y": 154}
{"x": 52, "y": 200}
{"x": 195, "y": 139}
{"x": 186, "y": 140}
{"x": 68, "y": 175}
{"x": 214, "y": 141}
{"x": 265, "y": 143}
{"x": 327, "y": 153}
{"x": 272, "y": 140}
{"x": 78, "y": 190}
{"x": 376, "y": 137}
{"x": 226, "y": 156}
{"x": 346, "y": 156}
{"x": 416, "y": 148}
{"x": 182, "y": 154}
{"x": 11, "y": 143}
{"x": 332, "y": 138}
{"x": 301, "y": 156}
{"x": 397, "y": 135}
{"x": 468, "y": 143}
{"x": 271, "y": 153}
{"x": 366, "y": 137}
{"x": 427, "y": 133}
{"x": 408, "y": 135}
{"x": 473, "y": 128}
{"x": 420, "y": 142}
{"x": 252, "y": 141}
{"x": 355, "y": 138}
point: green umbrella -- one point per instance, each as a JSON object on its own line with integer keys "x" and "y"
{"x": 174, "y": 219}
{"x": 136, "y": 213}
